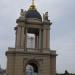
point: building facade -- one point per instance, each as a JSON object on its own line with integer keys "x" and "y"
{"x": 2, "y": 71}
{"x": 38, "y": 58}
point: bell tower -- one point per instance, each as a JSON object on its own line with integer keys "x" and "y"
{"x": 32, "y": 54}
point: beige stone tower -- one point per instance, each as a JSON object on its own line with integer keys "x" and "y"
{"x": 32, "y": 54}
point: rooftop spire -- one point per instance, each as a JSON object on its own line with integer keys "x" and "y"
{"x": 32, "y": 2}
{"x": 32, "y": 7}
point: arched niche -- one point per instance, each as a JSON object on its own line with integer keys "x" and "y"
{"x": 32, "y": 68}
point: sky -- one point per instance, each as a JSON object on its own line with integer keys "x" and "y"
{"x": 62, "y": 15}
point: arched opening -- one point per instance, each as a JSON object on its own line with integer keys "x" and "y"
{"x": 30, "y": 40}
{"x": 33, "y": 38}
{"x": 31, "y": 69}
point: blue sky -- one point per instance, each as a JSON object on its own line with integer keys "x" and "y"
{"x": 61, "y": 14}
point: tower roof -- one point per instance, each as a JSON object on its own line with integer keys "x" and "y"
{"x": 32, "y": 12}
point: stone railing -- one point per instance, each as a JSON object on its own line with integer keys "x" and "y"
{"x": 33, "y": 50}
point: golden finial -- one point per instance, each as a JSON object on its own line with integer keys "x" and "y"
{"x": 32, "y": 2}
{"x": 32, "y": 7}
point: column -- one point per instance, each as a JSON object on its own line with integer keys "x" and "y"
{"x": 18, "y": 37}
{"x": 25, "y": 39}
{"x": 40, "y": 39}
{"x": 22, "y": 37}
{"x": 44, "y": 38}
